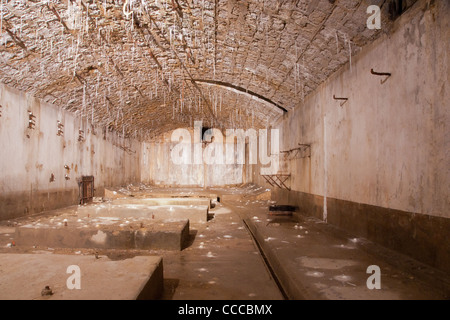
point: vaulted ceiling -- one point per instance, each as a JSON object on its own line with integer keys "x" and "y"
{"x": 144, "y": 67}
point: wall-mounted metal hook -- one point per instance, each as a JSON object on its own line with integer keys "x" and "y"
{"x": 80, "y": 135}
{"x": 60, "y": 129}
{"x": 344, "y": 100}
{"x": 382, "y": 74}
{"x": 31, "y": 121}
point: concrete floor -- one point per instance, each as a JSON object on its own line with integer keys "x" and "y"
{"x": 222, "y": 261}
{"x": 313, "y": 260}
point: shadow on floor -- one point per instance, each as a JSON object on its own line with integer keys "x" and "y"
{"x": 190, "y": 241}
{"x": 170, "y": 286}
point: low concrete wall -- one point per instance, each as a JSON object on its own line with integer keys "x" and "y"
{"x": 420, "y": 236}
{"x": 15, "y": 204}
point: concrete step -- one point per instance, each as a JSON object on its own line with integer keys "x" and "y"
{"x": 23, "y": 276}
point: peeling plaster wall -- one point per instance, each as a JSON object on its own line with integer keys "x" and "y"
{"x": 380, "y": 164}
{"x": 27, "y": 164}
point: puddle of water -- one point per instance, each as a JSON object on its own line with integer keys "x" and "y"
{"x": 325, "y": 263}
{"x": 343, "y": 246}
{"x": 315, "y": 274}
{"x": 342, "y": 278}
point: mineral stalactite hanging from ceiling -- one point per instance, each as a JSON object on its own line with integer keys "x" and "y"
{"x": 140, "y": 59}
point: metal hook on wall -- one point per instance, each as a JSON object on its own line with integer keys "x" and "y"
{"x": 382, "y": 74}
{"x": 60, "y": 129}
{"x": 31, "y": 121}
{"x": 80, "y": 135}
{"x": 344, "y": 100}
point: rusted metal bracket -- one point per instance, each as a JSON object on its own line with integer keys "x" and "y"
{"x": 60, "y": 129}
{"x": 382, "y": 74}
{"x": 300, "y": 152}
{"x": 80, "y": 135}
{"x": 277, "y": 180}
{"x": 31, "y": 120}
{"x": 342, "y": 99}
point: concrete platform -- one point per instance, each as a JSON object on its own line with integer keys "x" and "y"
{"x": 103, "y": 233}
{"x": 261, "y": 195}
{"x": 126, "y": 208}
{"x": 315, "y": 261}
{"x": 23, "y": 276}
{"x": 242, "y": 192}
{"x": 159, "y": 192}
{"x": 166, "y": 201}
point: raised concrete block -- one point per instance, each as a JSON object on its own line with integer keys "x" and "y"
{"x": 23, "y": 276}
{"x": 162, "y": 239}
{"x": 166, "y": 201}
{"x": 141, "y": 209}
{"x": 144, "y": 234}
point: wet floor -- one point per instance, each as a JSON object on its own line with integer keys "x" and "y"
{"x": 314, "y": 260}
{"x": 223, "y": 262}
{"x": 303, "y": 258}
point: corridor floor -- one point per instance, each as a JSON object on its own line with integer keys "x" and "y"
{"x": 244, "y": 253}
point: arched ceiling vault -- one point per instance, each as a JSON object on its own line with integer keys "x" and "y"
{"x": 145, "y": 67}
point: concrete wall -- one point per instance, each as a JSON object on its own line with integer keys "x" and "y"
{"x": 157, "y": 167}
{"x": 30, "y": 156}
{"x": 380, "y": 164}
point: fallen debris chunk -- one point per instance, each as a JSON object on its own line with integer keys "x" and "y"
{"x": 46, "y": 291}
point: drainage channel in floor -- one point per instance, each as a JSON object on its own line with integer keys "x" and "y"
{"x": 311, "y": 260}
{"x": 267, "y": 263}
